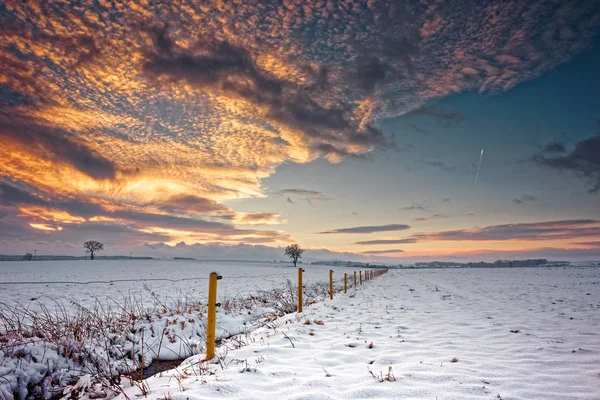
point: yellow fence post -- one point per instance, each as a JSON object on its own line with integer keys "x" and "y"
{"x": 355, "y": 279}
{"x": 212, "y": 315}
{"x": 360, "y": 277}
{"x": 300, "y": 270}
{"x": 330, "y": 284}
{"x": 345, "y": 282}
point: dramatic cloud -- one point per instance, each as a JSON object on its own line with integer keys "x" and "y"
{"x": 524, "y": 199}
{"x": 25, "y": 139}
{"x": 71, "y": 220}
{"x": 549, "y": 230}
{"x": 257, "y": 218}
{"x": 193, "y": 204}
{"x": 583, "y": 161}
{"x": 538, "y": 231}
{"x": 12, "y": 195}
{"x": 370, "y": 229}
{"x": 490, "y": 255}
{"x": 230, "y": 70}
{"x": 148, "y": 111}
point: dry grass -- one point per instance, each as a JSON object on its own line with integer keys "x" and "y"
{"x": 106, "y": 340}
{"x": 389, "y": 377}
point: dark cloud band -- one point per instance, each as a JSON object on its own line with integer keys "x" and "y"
{"x": 369, "y": 229}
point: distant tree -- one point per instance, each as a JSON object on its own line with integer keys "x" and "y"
{"x": 91, "y": 246}
{"x": 294, "y": 252}
{"x": 28, "y": 257}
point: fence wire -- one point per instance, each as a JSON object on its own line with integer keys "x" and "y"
{"x": 135, "y": 280}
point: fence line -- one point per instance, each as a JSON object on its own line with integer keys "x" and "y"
{"x": 132, "y": 280}
{"x": 212, "y": 304}
{"x": 88, "y": 325}
{"x": 94, "y": 282}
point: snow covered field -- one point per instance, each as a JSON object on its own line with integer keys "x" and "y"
{"x": 435, "y": 334}
{"x": 518, "y": 333}
{"x": 111, "y": 317}
{"x": 122, "y": 279}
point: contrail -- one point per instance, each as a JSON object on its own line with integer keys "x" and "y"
{"x": 479, "y": 167}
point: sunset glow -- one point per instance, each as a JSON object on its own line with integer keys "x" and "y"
{"x": 354, "y": 128}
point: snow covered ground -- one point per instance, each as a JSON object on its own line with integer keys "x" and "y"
{"x": 122, "y": 279}
{"x": 59, "y": 320}
{"x": 520, "y": 333}
{"x": 148, "y": 284}
{"x": 418, "y": 334}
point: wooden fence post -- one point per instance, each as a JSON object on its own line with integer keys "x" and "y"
{"x": 345, "y": 282}
{"x": 212, "y": 315}
{"x": 330, "y": 284}
{"x": 300, "y": 270}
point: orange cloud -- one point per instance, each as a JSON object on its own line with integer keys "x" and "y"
{"x": 131, "y": 107}
{"x": 44, "y": 227}
{"x": 258, "y": 218}
{"x": 50, "y": 215}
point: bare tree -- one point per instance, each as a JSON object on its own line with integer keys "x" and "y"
{"x": 91, "y": 246}
{"x": 294, "y": 252}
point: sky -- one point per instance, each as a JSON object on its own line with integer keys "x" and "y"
{"x": 361, "y": 130}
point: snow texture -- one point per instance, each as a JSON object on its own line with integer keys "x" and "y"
{"x": 531, "y": 333}
{"x": 512, "y": 333}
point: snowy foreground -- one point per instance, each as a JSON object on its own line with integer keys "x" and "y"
{"x": 63, "y": 320}
{"x": 426, "y": 334}
{"x": 520, "y": 333}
